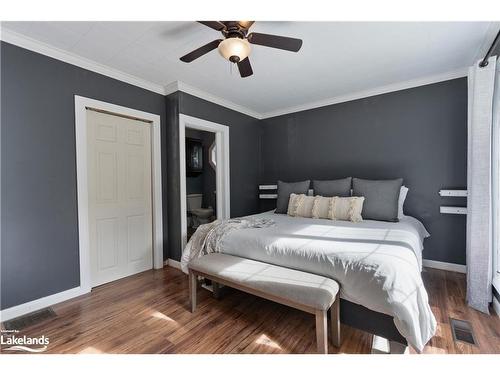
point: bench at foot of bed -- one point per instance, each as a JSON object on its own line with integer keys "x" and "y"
{"x": 301, "y": 290}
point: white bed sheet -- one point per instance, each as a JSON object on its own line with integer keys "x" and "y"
{"x": 377, "y": 264}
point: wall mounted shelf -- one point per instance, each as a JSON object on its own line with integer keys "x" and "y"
{"x": 268, "y": 196}
{"x": 453, "y": 210}
{"x": 452, "y": 193}
{"x": 268, "y": 187}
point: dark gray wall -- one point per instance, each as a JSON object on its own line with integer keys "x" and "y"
{"x": 172, "y": 194}
{"x": 39, "y": 244}
{"x": 194, "y": 184}
{"x": 419, "y": 134}
{"x": 244, "y": 145}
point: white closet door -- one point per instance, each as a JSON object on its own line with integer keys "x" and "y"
{"x": 119, "y": 168}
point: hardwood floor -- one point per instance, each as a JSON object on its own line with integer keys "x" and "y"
{"x": 149, "y": 313}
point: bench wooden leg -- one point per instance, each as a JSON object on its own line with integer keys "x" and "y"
{"x": 335, "y": 318}
{"x": 216, "y": 290}
{"x": 193, "y": 290}
{"x": 322, "y": 331}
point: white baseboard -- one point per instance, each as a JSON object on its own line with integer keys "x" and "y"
{"x": 496, "y": 305}
{"x": 41, "y": 303}
{"x": 173, "y": 263}
{"x": 444, "y": 266}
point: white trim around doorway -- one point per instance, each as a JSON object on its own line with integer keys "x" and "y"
{"x": 81, "y": 106}
{"x": 222, "y": 167}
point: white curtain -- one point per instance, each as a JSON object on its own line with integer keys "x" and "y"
{"x": 496, "y": 178}
{"x": 480, "y": 184}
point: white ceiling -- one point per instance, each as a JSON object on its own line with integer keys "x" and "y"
{"x": 336, "y": 59}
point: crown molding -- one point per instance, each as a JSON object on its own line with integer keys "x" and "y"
{"x": 73, "y": 59}
{"x": 171, "y": 88}
{"x": 462, "y": 72}
{"x": 82, "y": 62}
{"x": 181, "y": 86}
{"x": 191, "y": 90}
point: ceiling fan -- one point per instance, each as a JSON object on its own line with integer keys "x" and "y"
{"x": 235, "y": 46}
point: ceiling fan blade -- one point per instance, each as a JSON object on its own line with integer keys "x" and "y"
{"x": 193, "y": 55}
{"x": 246, "y": 24}
{"x": 216, "y": 25}
{"x": 245, "y": 68}
{"x": 275, "y": 41}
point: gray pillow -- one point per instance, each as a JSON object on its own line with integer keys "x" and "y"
{"x": 333, "y": 188}
{"x": 381, "y": 198}
{"x": 284, "y": 191}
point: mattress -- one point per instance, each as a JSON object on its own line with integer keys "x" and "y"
{"x": 377, "y": 264}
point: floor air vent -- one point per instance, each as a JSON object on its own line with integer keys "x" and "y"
{"x": 462, "y": 331}
{"x": 28, "y": 320}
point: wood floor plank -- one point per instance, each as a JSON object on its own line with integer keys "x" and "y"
{"x": 149, "y": 313}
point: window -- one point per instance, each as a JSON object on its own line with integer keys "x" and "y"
{"x": 496, "y": 205}
{"x": 496, "y": 199}
{"x": 212, "y": 155}
{"x": 496, "y": 182}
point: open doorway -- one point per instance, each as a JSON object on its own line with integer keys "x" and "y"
{"x": 204, "y": 173}
{"x": 201, "y": 171}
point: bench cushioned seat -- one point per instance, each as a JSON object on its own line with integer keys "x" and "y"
{"x": 315, "y": 291}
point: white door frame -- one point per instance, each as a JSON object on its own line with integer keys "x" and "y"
{"x": 222, "y": 167}
{"x": 81, "y": 106}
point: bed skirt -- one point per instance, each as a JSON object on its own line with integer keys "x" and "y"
{"x": 370, "y": 321}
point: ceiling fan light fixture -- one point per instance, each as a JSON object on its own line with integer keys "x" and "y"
{"x": 236, "y": 45}
{"x": 234, "y": 49}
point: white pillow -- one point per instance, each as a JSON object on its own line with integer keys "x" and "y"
{"x": 402, "y": 197}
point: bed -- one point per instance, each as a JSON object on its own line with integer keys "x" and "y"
{"x": 376, "y": 263}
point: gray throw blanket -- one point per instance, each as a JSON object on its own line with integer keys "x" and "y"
{"x": 207, "y": 237}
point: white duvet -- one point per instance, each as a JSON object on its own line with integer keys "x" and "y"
{"x": 377, "y": 264}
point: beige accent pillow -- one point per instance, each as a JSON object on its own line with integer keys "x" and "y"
{"x": 321, "y": 207}
{"x": 305, "y": 206}
{"x": 293, "y": 203}
{"x": 346, "y": 208}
